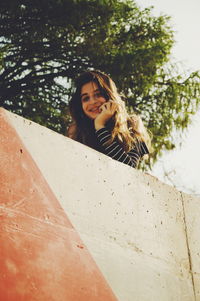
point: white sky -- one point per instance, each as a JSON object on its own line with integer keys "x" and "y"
{"x": 183, "y": 164}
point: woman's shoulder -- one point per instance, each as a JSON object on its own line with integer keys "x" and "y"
{"x": 135, "y": 121}
{"x": 141, "y": 133}
{"x": 71, "y": 130}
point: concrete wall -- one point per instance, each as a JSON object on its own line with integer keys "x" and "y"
{"x": 142, "y": 234}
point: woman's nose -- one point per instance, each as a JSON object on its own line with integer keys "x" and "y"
{"x": 93, "y": 99}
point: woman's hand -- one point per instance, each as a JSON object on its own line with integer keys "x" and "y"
{"x": 108, "y": 109}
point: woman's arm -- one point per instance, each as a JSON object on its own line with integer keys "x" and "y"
{"x": 116, "y": 151}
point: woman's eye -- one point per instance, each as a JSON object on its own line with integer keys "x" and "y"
{"x": 97, "y": 95}
{"x": 85, "y": 98}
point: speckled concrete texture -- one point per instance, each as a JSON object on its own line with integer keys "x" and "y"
{"x": 142, "y": 233}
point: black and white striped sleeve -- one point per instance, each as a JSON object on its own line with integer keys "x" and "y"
{"x": 116, "y": 151}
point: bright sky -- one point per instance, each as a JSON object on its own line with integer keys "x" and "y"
{"x": 183, "y": 164}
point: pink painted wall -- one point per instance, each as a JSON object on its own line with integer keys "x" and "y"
{"x": 41, "y": 254}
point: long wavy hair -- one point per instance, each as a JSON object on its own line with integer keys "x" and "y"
{"x": 122, "y": 126}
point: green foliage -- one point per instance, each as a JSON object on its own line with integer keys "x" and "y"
{"x": 45, "y": 44}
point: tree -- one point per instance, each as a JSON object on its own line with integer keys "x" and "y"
{"x": 46, "y": 44}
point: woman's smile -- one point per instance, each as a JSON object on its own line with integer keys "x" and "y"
{"x": 95, "y": 109}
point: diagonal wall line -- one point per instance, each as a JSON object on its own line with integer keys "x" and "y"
{"x": 39, "y": 259}
{"x": 188, "y": 247}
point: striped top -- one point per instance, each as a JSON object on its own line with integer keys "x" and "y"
{"x": 116, "y": 151}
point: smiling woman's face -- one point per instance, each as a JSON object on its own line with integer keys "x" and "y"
{"x": 91, "y": 99}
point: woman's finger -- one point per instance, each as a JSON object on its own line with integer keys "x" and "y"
{"x": 103, "y": 107}
{"x": 109, "y": 106}
{"x": 114, "y": 107}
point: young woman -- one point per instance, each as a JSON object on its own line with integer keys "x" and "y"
{"x": 102, "y": 122}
